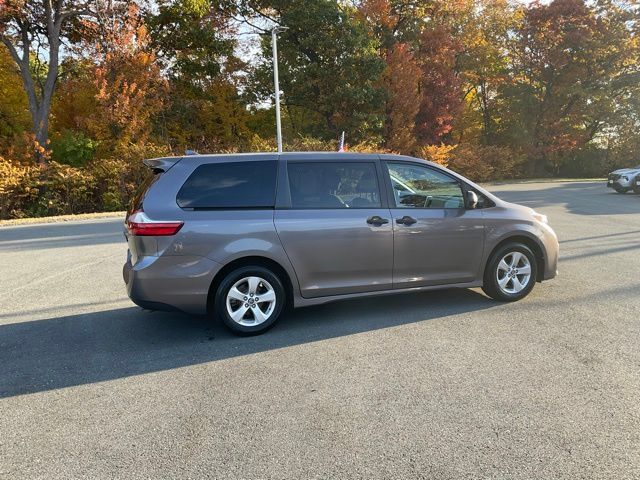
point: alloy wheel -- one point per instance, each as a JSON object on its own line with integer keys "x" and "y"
{"x": 513, "y": 273}
{"x": 251, "y": 301}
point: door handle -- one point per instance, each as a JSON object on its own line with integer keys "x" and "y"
{"x": 377, "y": 220}
{"x": 406, "y": 220}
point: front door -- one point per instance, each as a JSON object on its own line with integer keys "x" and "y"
{"x": 336, "y": 233}
{"x": 436, "y": 239}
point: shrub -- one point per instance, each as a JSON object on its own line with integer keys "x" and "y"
{"x": 19, "y": 187}
{"x": 72, "y": 148}
{"x": 118, "y": 177}
{"x": 441, "y": 154}
{"x": 309, "y": 144}
{"x": 57, "y": 189}
{"x": 480, "y": 163}
{"x": 66, "y": 190}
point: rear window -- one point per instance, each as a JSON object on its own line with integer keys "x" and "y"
{"x": 230, "y": 185}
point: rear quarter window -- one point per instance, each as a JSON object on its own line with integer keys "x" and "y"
{"x": 138, "y": 197}
{"x": 230, "y": 185}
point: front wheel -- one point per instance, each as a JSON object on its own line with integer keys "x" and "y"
{"x": 636, "y": 185}
{"x": 511, "y": 273}
{"x": 620, "y": 189}
{"x": 249, "y": 300}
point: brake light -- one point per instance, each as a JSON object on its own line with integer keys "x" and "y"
{"x": 138, "y": 223}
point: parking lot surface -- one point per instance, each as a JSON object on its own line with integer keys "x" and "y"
{"x": 445, "y": 384}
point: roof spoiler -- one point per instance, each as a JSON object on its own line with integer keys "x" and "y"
{"x": 159, "y": 165}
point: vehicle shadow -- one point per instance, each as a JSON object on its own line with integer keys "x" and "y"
{"x": 580, "y": 198}
{"x": 80, "y": 349}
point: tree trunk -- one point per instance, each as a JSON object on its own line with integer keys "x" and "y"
{"x": 39, "y": 105}
{"x": 41, "y": 131}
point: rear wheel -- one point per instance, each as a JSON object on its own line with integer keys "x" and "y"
{"x": 636, "y": 186}
{"x": 511, "y": 273}
{"x": 620, "y": 189}
{"x": 249, "y": 300}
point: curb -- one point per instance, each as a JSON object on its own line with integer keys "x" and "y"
{"x": 60, "y": 218}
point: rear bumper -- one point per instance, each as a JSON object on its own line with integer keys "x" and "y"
{"x": 170, "y": 282}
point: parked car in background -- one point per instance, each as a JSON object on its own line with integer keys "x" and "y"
{"x": 244, "y": 236}
{"x": 623, "y": 179}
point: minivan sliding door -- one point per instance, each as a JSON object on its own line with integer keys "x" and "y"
{"x": 336, "y": 232}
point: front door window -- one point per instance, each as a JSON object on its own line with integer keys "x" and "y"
{"x": 421, "y": 187}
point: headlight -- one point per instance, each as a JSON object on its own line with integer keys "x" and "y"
{"x": 540, "y": 217}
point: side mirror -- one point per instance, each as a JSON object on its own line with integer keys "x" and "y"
{"x": 472, "y": 200}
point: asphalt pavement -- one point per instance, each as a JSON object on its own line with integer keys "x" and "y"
{"x": 435, "y": 385}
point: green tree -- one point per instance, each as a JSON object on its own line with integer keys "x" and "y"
{"x": 194, "y": 38}
{"x": 329, "y": 69}
{"x": 195, "y": 41}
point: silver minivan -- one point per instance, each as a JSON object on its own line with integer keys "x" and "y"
{"x": 243, "y": 236}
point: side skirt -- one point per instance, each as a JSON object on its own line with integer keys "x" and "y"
{"x": 306, "y": 302}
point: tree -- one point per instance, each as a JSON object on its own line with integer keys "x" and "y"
{"x": 484, "y": 67}
{"x": 572, "y": 67}
{"x": 439, "y": 86}
{"x": 401, "y": 77}
{"x": 329, "y": 68}
{"x": 29, "y": 29}
{"x": 14, "y": 110}
{"x": 420, "y": 49}
{"x": 193, "y": 38}
{"x": 402, "y": 80}
{"x": 195, "y": 43}
{"x": 130, "y": 90}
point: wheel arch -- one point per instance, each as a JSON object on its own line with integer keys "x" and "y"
{"x": 251, "y": 261}
{"x": 528, "y": 241}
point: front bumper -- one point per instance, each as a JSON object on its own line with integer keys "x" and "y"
{"x": 170, "y": 282}
{"x": 620, "y": 182}
{"x": 551, "y": 252}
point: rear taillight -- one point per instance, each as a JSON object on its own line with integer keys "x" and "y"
{"x": 138, "y": 223}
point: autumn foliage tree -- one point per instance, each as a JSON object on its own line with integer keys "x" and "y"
{"x": 130, "y": 90}
{"x": 570, "y": 66}
{"x": 493, "y": 88}
{"x": 402, "y": 82}
{"x": 14, "y": 111}
{"x": 421, "y": 80}
{"x": 439, "y": 85}
{"x": 33, "y": 31}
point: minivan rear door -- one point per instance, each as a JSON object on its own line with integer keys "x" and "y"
{"x": 334, "y": 227}
{"x": 436, "y": 239}
{"x": 141, "y": 246}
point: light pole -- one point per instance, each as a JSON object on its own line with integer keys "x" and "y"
{"x": 276, "y": 84}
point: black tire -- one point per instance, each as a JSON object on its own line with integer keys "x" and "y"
{"x": 620, "y": 189}
{"x": 490, "y": 284}
{"x": 636, "y": 187}
{"x": 239, "y": 275}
